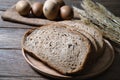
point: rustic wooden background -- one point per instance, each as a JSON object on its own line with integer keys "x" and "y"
{"x": 12, "y": 64}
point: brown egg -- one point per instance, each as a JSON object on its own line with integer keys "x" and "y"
{"x": 23, "y": 7}
{"x": 51, "y": 9}
{"x": 66, "y": 12}
{"x": 37, "y": 9}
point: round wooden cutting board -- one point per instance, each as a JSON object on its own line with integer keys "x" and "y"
{"x": 100, "y": 66}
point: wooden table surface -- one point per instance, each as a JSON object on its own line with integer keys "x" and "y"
{"x": 12, "y": 64}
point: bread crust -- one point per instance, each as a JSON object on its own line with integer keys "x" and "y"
{"x": 72, "y": 32}
{"x": 90, "y": 29}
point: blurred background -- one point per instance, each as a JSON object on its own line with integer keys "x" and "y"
{"x": 112, "y": 5}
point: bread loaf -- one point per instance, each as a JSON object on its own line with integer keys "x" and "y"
{"x": 90, "y": 29}
{"x": 62, "y": 49}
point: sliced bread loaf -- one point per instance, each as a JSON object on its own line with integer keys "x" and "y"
{"x": 94, "y": 47}
{"x": 62, "y": 49}
{"x": 90, "y": 29}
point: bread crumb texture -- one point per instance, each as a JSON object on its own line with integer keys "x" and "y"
{"x": 59, "y": 47}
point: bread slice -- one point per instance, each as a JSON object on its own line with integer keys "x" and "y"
{"x": 94, "y": 48}
{"x": 90, "y": 29}
{"x": 62, "y": 49}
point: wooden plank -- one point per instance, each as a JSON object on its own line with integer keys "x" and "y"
{"x": 5, "y": 24}
{"x": 23, "y": 78}
{"x": 11, "y": 37}
{"x": 113, "y": 72}
{"x": 12, "y": 63}
{"x": 14, "y": 66}
{"x": 13, "y": 16}
{"x": 5, "y": 4}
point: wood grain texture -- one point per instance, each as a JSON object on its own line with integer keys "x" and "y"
{"x": 12, "y": 64}
{"x": 5, "y": 4}
{"x": 14, "y": 67}
{"x": 112, "y": 5}
{"x": 6, "y": 24}
{"x": 13, "y": 16}
{"x": 23, "y": 78}
{"x": 11, "y": 38}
